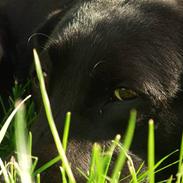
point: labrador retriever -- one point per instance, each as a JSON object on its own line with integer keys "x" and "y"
{"x": 101, "y": 59}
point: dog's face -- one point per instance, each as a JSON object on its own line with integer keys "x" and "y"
{"x": 104, "y": 58}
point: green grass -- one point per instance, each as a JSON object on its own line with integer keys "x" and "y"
{"x": 8, "y": 143}
{"x": 22, "y": 166}
{"x": 151, "y": 152}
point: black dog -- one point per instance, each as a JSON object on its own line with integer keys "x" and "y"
{"x": 102, "y": 58}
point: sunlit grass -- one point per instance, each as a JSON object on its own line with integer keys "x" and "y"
{"x": 151, "y": 151}
{"x": 180, "y": 165}
{"x": 126, "y": 145}
{"x": 22, "y": 146}
{"x": 7, "y": 124}
{"x": 8, "y": 121}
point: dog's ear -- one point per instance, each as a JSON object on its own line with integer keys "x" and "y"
{"x": 38, "y": 39}
{"x": 43, "y": 31}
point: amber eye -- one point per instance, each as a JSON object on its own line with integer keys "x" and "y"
{"x": 124, "y": 94}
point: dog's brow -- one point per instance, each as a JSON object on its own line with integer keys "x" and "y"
{"x": 95, "y": 67}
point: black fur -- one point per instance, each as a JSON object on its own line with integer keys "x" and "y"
{"x": 88, "y": 49}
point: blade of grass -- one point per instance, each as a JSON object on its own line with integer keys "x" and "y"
{"x": 140, "y": 167}
{"x": 151, "y": 151}
{"x": 170, "y": 179}
{"x": 38, "y": 178}
{"x": 83, "y": 174}
{"x": 139, "y": 172}
{"x": 144, "y": 174}
{"x": 30, "y": 143}
{"x": 65, "y": 139}
{"x": 130, "y": 165}
{"x": 12, "y": 168}
{"x": 3, "y": 106}
{"x": 108, "y": 156}
{"x": 164, "y": 159}
{"x": 50, "y": 118}
{"x": 66, "y": 130}
{"x": 8, "y": 121}
{"x": 93, "y": 168}
{"x": 34, "y": 163}
{"x": 132, "y": 171}
{"x": 11, "y": 178}
{"x": 64, "y": 180}
{"x": 4, "y": 171}
{"x": 127, "y": 142}
{"x": 167, "y": 166}
{"x": 24, "y": 158}
{"x": 99, "y": 164}
{"x": 179, "y": 173}
{"x": 47, "y": 165}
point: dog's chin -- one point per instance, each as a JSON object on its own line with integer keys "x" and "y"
{"x": 79, "y": 157}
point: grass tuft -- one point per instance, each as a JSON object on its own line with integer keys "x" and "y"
{"x": 126, "y": 145}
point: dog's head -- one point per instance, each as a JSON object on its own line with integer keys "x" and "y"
{"x": 103, "y": 58}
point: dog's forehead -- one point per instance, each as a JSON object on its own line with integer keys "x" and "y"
{"x": 99, "y": 24}
{"x": 133, "y": 40}
{"x": 85, "y": 16}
